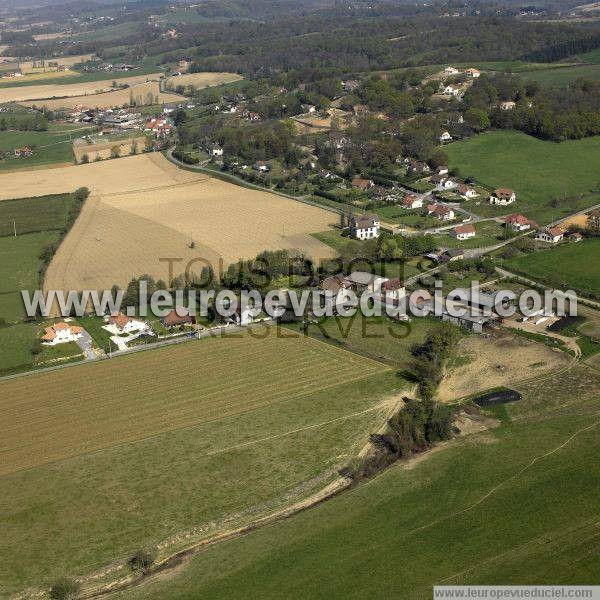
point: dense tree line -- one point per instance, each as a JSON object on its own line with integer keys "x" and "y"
{"x": 557, "y": 114}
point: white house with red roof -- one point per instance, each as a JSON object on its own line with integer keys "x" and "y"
{"x": 551, "y": 235}
{"x": 518, "y": 223}
{"x": 443, "y": 213}
{"x": 503, "y": 196}
{"x": 463, "y": 232}
{"x": 119, "y": 323}
{"x": 412, "y": 201}
{"x": 61, "y": 333}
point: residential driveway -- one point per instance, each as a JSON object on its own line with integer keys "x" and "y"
{"x": 85, "y": 343}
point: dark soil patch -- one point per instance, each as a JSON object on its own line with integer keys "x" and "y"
{"x": 498, "y": 397}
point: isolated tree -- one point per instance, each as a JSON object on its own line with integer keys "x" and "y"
{"x": 64, "y": 588}
{"x": 85, "y": 159}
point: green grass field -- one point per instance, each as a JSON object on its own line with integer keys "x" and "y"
{"x": 571, "y": 265}
{"x": 379, "y": 338}
{"x": 53, "y": 146}
{"x": 561, "y": 76}
{"x": 591, "y": 57}
{"x": 537, "y": 170}
{"x": 31, "y": 215}
{"x": 515, "y": 505}
{"x": 149, "y": 447}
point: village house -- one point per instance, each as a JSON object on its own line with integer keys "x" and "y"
{"x": 177, "y": 317}
{"x": 418, "y": 167}
{"x": 451, "y": 255}
{"x": 445, "y": 137}
{"x": 362, "y": 184}
{"x": 465, "y": 191}
{"x": 159, "y": 127}
{"x": 120, "y": 323}
{"x": 576, "y": 236}
{"x": 463, "y": 232}
{"x": 350, "y": 85}
{"x": 261, "y": 166}
{"x": 502, "y": 196}
{"x": 450, "y": 90}
{"x": 412, "y": 201}
{"x": 308, "y": 108}
{"x": 451, "y": 71}
{"x": 365, "y": 227}
{"x": 517, "y": 223}
{"x": 24, "y": 152}
{"x": 551, "y": 235}
{"x": 338, "y": 140}
{"x": 472, "y": 73}
{"x": 393, "y": 290}
{"x": 443, "y": 213}
{"x": 442, "y": 170}
{"x": 215, "y": 150}
{"x": 169, "y": 107}
{"x": 61, "y": 333}
{"x": 594, "y": 218}
{"x": 361, "y": 281}
{"x": 507, "y": 105}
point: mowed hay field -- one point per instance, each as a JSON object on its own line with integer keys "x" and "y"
{"x": 164, "y": 447}
{"x": 40, "y": 92}
{"x": 139, "y": 94}
{"x": 134, "y": 173}
{"x": 122, "y": 234}
{"x": 202, "y": 80}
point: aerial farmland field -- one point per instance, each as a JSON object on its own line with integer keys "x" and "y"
{"x": 518, "y": 493}
{"x": 123, "y": 234}
{"x": 191, "y": 440}
{"x": 39, "y": 92}
{"x": 567, "y": 266}
{"x": 202, "y": 80}
{"x": 539, "y": 171}
{"x": 140, "y": 93}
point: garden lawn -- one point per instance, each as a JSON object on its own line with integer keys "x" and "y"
{"x": 537, "y": 170}
{"x": 570, "y": 265}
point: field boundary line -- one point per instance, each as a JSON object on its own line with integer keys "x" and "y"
{"x": 541, "y": 538}
{"x": 293, "y": 431}
{"x": 502, "y": 483}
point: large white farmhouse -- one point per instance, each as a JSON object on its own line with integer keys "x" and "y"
{"x": 365, "y": 227}
{"x": 61, "y": 333}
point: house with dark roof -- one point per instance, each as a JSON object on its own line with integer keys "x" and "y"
{"x": 365, "y": 227}
{"x": 503, "y": 196}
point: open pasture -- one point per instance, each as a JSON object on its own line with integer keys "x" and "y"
{"x": 170, "y": 445}
{"x": 509, "y": 506}
{"x": 574, "y": 266}
{"x": 41, "y": 92}
{"x": 202, "y": 80}
{"x": 539, "y": 171}
{"x": 124, "y": 234}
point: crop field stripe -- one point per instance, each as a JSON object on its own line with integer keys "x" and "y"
{"x": 89, "y": 417}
